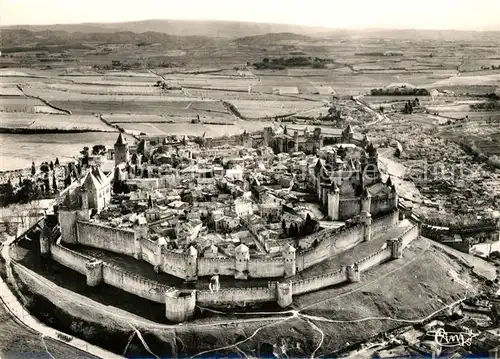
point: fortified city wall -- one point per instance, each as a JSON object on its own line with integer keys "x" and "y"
{"x": 190, "y": 266}
{"x": 351, "y": 207}
{"x": 180, "y": 305}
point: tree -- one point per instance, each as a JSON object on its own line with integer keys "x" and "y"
{"x": 51, "y": 165}
{"x": 28, "y": 191}
{"x": 33, "y": 169}
{"x": 408, "y": 108}
{"x": 283, "y": 225}
{"x": 98, "y": 150}
{"x": 7, "y": 194}
{"x": 118, "y": 187}
{"x": 44, "y": 167}
{"x": 57, "y": 161}
{"x": 54, "y": 182}
{"x": 67, "y": 181}
{"x": 150, "y": 202}
{"x": 46, "y": 184}
{"x": 85, "y": 156}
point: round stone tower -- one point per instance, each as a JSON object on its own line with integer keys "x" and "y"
{"x": 180, "y": 305}
{"x": 284, "y": 294}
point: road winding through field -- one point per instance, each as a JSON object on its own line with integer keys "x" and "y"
{"x": 380, "y": 117}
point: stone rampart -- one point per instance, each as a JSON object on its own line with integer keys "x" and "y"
{"x": 236, "y": 296}
{"x": 173, "y": 263}
{"x": 330, "y": 243}
{"x": 180, "y": 305}
{"x": 319, "y": 282}
{"x": 381, "y": 224}
{"x": 327, "y": 243}
{"x": 105, "y": 237}
{"x": 349, "y": 207}
{"x": 134, "y": 284}
{"x": 382, "y": 205}
{"x": 266, "y": 268}
{"x": 211, "y": 266}
{"x": 69, "y": 258}
{"x": 374, "y": 259}
{"x": 148, "y": 248}
{"x": 410, "y": 235}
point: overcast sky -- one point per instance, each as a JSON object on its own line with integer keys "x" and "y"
{"x": 415, "y": 14}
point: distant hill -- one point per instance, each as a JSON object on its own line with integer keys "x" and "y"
{"x": 13, "y": 38}
{"x": 271, "y": 38}
{"x": 225, "y": 29}
{"x": 182, "y": 34}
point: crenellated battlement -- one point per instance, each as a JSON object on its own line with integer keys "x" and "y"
{"x": 188, "y": 265}
{"x": 105, "y": 226}
{"x": 321, "y": 276}
{"x": 179, "y": 305}
{"x": 217, "y": 259}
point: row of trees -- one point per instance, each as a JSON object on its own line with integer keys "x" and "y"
{"x": 282, "y": 63}
{"x": 45, "y": 167}
{"x": 487, "y": 106}
{"x": 399, "y": 91}
{"x": 310, "y": 226}
{"x": 28, "y": 190}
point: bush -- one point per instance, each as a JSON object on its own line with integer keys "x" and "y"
{"x": 399, "y": 91}
{"x": 296, "y": 61}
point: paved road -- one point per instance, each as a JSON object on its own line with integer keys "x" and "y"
{"x": 49, "y": 335}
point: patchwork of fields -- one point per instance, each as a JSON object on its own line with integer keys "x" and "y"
{"x": 201, "y": 99}
{"x": 54, "y": 122}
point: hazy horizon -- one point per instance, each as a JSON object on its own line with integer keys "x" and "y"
{"x": 464, "y": 15}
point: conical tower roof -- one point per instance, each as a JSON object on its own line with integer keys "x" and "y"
{"x": 120, "y": 141}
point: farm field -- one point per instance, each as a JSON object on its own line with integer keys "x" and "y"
{"x": 233, "y": 83}
{"x": 49, "y": 93}
{"x": 193, "y": 129}
{"x": 24, "y": 104}
{"x": 197, "y": 129}
{"x": 185, "y": 110}
{"x": 221, "y": 95}
{"x": 469, "y": 82}
{"x": 56, "y": 122}
{"x": 96, "y": 89}
{"x": 83, "y": 83}
{"x": 6, "y": 90}
{"x": 267, "y": 109}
